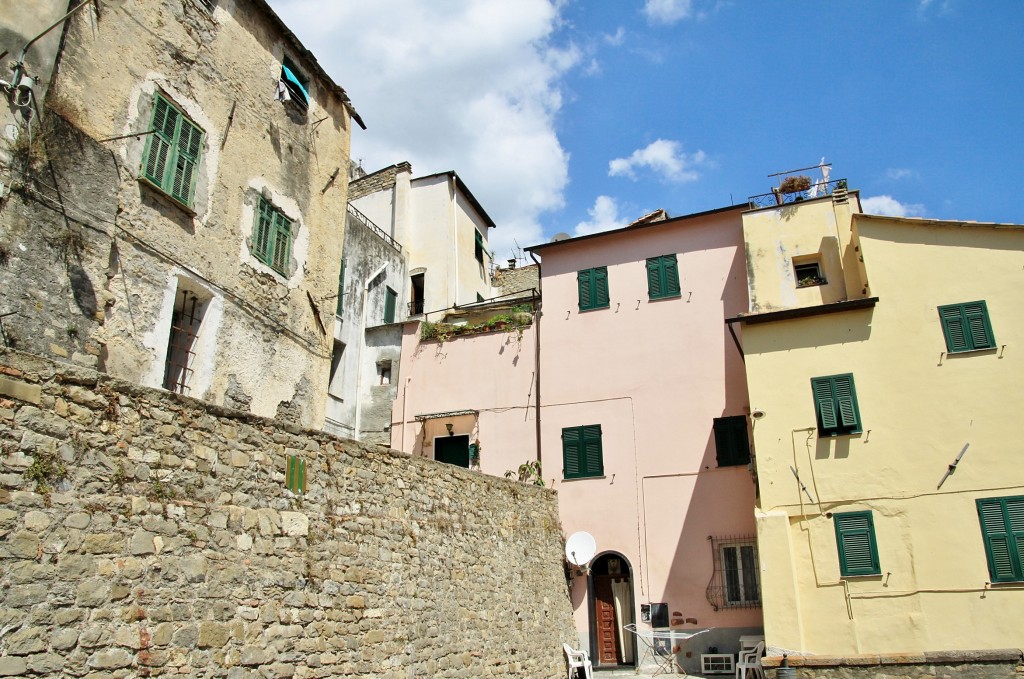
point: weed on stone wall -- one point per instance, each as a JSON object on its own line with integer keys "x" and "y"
{"x": 46, "y": 470}
{"x": 5, "y": 255}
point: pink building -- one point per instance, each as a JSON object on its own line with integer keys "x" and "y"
{"x": 645, "y": 430}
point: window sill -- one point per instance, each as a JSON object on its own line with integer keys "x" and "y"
{"x": 583, "y": 478}
{"x": 595, "y": 308}
{"x": 658, "y": 298}
{"x": 833, "y": 435}
{"x": 970, "y": 351}
{"x": 811, "y": 285}
{"x": 861, "y": 576}
{"x": 168, "y": 197}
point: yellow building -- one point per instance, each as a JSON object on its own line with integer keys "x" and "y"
{"x": 886, "y": 389}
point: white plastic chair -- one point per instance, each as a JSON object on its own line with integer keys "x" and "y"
{"x": 578, "y": 659}
{"x": 751, "y": 660}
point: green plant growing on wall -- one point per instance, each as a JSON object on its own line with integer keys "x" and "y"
{"x": 45, "y": 471}
{"x": 160, "y": 491}
{"x": 528, "y": 472}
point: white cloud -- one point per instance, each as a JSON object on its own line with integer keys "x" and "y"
{"x": 604, "y": 216}
{"x": 889, "y": 206}
{"x": 473, "y": 87}
{"x": 945, "y": 7}
{"x": 667, "y": 11}
{"x": 617, "y": 39}
{"x": 898, "y": 173}
{"x": 664, "y": 157}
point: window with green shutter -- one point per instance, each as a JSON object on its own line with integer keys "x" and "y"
{"x": 582, "y": 454}
{"x": 662, "y": 277}
{"x": 390, "y": 299}
{"x": 835, "y": 402}
{"x": 171, "y": 158}
{"x": 593, "y": 288}
{"x": 272, "y": 240}
{"x": 966, "y": 327}
{"x": 478, "y": 247}
{"x": 731, "y": 441}
{"x": 1002, "y": 529}
{"x": 855, "y": 537}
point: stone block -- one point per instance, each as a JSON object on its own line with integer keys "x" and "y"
{"x": 36, "y": 521}
{"x": 111, "y": 659}
{"x": 294, "y": 524}
{"x": 23, "y": 545}
{"x": 16, "y": 389}
{"x": 27, "y": 640}
{"x": 213, "y": 634}
{"x": 93, "y": 592}
{"x": 11, "y": 666}
{"x": 142, "y": 542}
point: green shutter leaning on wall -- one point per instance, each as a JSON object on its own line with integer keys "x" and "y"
{"x": 171, "y": 158}
{"x": 1002, "y": 529}
{"x": 390, "y": 298}
{"x": 966, "y": 327}
{"x": 295, "y": 475}
{"x": 855, "y": 538}
{"x": 593, "y": 288}
{"x": 662, "y": 277}
{"x": 835, "y": 403}
{"x": 582, "y": 452}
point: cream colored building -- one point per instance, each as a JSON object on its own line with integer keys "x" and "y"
{"x": 178, "y": 220}
{"x": 885, "y": 389}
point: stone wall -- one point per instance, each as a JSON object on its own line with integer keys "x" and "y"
{"x": 376, "y": 181}
{"x": 149, "y": 534}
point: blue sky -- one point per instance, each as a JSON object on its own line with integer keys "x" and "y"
{"x": 582, "y": 115}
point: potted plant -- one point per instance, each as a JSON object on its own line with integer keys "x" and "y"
{"x": 795, "y": 184}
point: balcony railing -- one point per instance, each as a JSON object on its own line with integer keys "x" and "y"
{"x": 416, "y": 307}
{"x": 368, "y": 223}
{"x": 778, "y": 197}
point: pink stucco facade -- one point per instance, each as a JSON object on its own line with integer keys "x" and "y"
{"x": 654, "y": 374}
{"x": 491, "y": 374}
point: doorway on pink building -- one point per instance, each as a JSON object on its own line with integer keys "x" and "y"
{"x": 611, "y": 607}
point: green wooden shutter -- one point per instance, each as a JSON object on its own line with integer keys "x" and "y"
{"x": 593, "y": 455}
{"x": 190, "y": 143}
{"x": 670, "y": 266}
{"x": 571, "y": 446}
{"x": 846, "y": 402}
{"x": 601, "y": 286}
{"x": 1002, "y": 528}
{"x": 823, "y": 403}
{"x": 855, "y": 538}
{"x": 478, "y": 249}
{"x": 732, "y": 443}
{"x": 282, "y": 242}
{"x": 390, "y": 297}
{"x": 953, "y": 328}
{"x": 978, "y": 325}
{"x": 158, "y": 146}
{"x": 583, "y": 279}
{"x": 264, "y": 227}
{"x": 654, "y": 289}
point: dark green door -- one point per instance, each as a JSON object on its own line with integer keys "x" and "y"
{"x": 452, "y": 449}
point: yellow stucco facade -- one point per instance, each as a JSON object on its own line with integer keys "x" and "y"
{"x": 874, "y": 314}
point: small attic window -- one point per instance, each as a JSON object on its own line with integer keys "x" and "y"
{"x": 808, "y": 274}
{"x": 293, "y": 86}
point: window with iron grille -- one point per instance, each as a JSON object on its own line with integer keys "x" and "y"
{"x": 272, "y": 240}
{"x": 170, "y": 161}
{"x": 736, "y": 580}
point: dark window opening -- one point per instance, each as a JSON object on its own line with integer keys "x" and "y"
{"x": 731, "y": 441}
{"x": 185, "y": 321}
{"x": 478, "y": 249}
{"x": 416, "y": 305}
{"x": 335, "y": 380}
{"x": 294, "y": 86}
{"x": 452, "y": 450}
{"x": 808, "y": 274}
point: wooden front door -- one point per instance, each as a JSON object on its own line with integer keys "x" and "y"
{"x": 608, "y": 651}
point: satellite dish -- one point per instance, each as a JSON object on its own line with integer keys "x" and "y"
{"x": 561, "y": 235}
{"x": 580, "y": 548}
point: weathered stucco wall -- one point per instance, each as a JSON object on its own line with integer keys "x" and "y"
{"x": 147, "y": 533}
{"x": 97, "y": 255}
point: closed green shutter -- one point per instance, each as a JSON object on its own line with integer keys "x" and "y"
{"x": 855, "y": 538}
{"x": 272, "y": 237}
{"x": 390, "y": 297}
{"x": 264, "y": 227}
{"x": 601, "y": 286}
{"x": 654, "y": 277}
{"x": 670, "y": 267}
{"x": 967, "y": 327}
{"x": 593, "y": 455}
{"x": 478, "y": 248}
{"x": 662, "y": 277}
{"x": 571, "y": 445}
{"x": 1002, "y": 528}
{"x": 190, "y": 142}
{"x": 732, "y": 443}
{"x": 835, "y": 403}
{"x": 282, "y": 242}
{"x": 165, "y": 120}
{"x": 583, "y": 283}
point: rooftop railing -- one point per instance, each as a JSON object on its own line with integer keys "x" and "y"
{"x": 368, "y": 223}
{"x": 779, "y": 197}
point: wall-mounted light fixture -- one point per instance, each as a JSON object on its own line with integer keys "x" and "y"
{"x": 449, "y": 426}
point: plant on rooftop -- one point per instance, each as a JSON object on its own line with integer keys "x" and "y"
{"x": 795, "y": 184}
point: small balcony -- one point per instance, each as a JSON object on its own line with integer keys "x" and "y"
{"x": 794, "y": 187}
{"x": 416, "y": 307}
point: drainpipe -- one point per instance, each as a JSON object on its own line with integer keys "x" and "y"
{"x": 537, "y": 315}
{"x": 454, "y": 292}
{"x": 359, "y": 355}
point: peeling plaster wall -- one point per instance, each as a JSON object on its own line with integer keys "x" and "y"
{"x": 107, "y": 270}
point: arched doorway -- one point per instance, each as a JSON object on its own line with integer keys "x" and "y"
{"x": 611, "y": 607}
